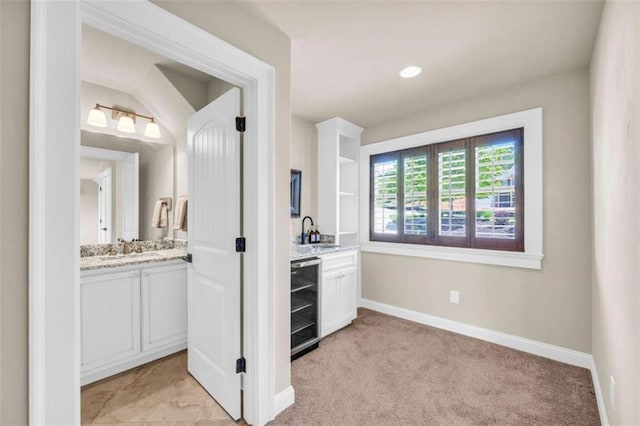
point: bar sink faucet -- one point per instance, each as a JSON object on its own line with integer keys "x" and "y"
{"x": 302, "y": 238}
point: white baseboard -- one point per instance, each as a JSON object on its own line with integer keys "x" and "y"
{"x": 557, "y": 353}
{"x": 602, "y": 409}
{"x": 283, "y": 400}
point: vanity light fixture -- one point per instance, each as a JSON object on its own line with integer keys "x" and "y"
{"x": 411, "y": 71}
{"x": 126, "y": 124}
{"x": 97, "y": 117}
{"x": 152, "y": 129}
{"x": 126, "y": 120}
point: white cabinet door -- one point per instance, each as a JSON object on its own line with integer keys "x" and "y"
{"x": 338, "y": 291}
{"x": 329, "y": 303}
{"x": 164, "y": 306}
{"x": 110, "y": 318}
{"x": 347, "y": 294}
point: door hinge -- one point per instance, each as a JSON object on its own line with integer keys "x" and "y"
{"x": 241, "y": 124}
{"x": 241, "y": 365}
{"x": 240, "y": 245}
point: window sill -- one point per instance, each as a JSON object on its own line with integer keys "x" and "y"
{"x": 487, "y": 257}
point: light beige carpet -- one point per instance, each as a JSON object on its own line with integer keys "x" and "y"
{"x": 383, "y": 370}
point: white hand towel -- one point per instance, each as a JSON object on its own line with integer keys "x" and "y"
{"x": 180, "y": 215}
{"x": 159, "y": 219}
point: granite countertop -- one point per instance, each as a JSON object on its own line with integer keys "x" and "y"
{"x": 102, "y": 262}
{"x": 305, "y": 251}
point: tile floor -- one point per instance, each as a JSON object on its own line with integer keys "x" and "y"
{"x": 162, "y": 393}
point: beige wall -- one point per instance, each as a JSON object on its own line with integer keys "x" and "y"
{"x": 304, "y": 157}
{"x": 226, "y": 20}
{"x": 14, "y": 210}
{"x": 551, "y": 305}
{"x": 615, "y": 118}
{"x": 231, "y": 22}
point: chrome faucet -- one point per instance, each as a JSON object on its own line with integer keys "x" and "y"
{"x": 302, "y": 232}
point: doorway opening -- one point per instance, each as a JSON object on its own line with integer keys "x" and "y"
{"x": 139, "y": 299}
{"x": 55, "y": 373}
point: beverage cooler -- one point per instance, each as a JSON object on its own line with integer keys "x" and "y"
{"x": 305, "y": 327}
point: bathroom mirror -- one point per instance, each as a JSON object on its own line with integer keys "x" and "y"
{"x": 108, "y": 195}
{"x": 296, "y": 185}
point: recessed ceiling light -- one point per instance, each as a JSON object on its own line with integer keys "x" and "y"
{"x": 410, "y": 71}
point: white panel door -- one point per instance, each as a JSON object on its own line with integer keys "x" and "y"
{"x": 110, "y": 318}
{"x": 164, "y": 306}
{"x": 214, "y": 276}
{"x": 105, "y": 206}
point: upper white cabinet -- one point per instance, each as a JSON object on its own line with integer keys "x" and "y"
{"x": 338, "y": 153}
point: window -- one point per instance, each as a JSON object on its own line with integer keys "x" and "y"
{"x": 462, "y": 193}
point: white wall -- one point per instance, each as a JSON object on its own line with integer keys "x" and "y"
{"x": 615, "y": 120}
{"x": 304, "y": 157}
{"x": 551, "y": 305}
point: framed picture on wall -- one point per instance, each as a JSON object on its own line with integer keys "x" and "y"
{"x": 296, "y": 185}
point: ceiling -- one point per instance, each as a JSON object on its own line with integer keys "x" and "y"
{"x": 346, "y": 55}
{"x": 115, "y": 63}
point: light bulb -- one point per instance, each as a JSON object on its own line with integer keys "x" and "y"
{"x": 411, "y": 71}
{"x": 126, "y": 124}
{"x": 152, "y": 130}
{"x": 97, "y": 118}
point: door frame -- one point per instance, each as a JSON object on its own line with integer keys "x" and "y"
{"x": 54, "y": 263}
{"x": 106, "y": 204}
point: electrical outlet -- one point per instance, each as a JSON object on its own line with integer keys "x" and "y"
{"x": 612, "y": 393}
{"x": 454, "y": 296}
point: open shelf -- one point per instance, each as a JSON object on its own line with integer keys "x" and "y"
{"x": 338, "y": 157}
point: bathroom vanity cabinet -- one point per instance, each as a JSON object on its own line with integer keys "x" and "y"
{"x": 131, "y": 315}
